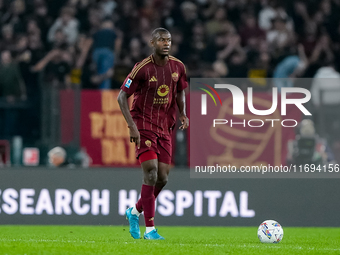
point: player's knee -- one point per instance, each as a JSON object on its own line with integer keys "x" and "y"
{"x": 150, "y": 177}
{"x": 150, "y": 174}
{"x": 162, "y": 180}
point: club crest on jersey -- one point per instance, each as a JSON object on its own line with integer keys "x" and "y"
{"x": 128, "y": 83}
{"x": 175, "y": 76}
{"x": 148, "y": 143}
{"x": 163, "y": 90}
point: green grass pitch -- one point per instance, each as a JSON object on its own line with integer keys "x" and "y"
{"x": 179, "y": 240}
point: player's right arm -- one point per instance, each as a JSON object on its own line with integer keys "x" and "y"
{"x": 129, "y": 87}
{"x": 124, "y": 107}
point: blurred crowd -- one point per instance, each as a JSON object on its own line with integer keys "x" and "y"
{"x": 93, "y": 44}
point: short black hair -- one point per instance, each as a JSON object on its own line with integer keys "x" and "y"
{"x": 159, "y": 30}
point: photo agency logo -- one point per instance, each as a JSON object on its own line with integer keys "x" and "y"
{"x": 238, "y": 105}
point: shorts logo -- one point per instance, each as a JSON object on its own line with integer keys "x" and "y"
{"x": 148, "y": 143}
{"x": 175, "y": 76}
{"x": 163, "y": 90}
{"x": 128, "y": 83}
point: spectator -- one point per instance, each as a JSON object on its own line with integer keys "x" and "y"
{"x": 322, "y": 50}
{"x": 308, "y": 147}
{"x": 266, "y": 15}
{"x": 279, "y": 37}
{"x": 170, "y": 15}
{"x": 194, "y": 50}
{"x": 15, "y": 16}
{"x": 213, "y": 26}
{"x": 57, "y": 66}
{"x": 59, "y": 39}
{"x": 82, "y": 15}
{"x": 129, "y": 17}
{"x": 235, "y": 9}
{"x": 148, "y": 11}
{"x": 289, "y": 68}
{"x": 203, "y": 36}
{"x": 327, "y": 82}
{"x": 36, "y": 47}
{"x": 66, "y": 23}
{"x": 82, "y": 159}
{"x": 233, "y": 45}
{"x": 57, "y": 157}
{"x": 218, "y": 43}
{"x": 309, "y": 38}
{"x": 237, "y": 65}
{"x": 208, "y": 8}
{"x": 250, "y": 31}
{"x": 8, "y": 40}
{"x": 13, "y": 91}
{"x": 12, "y": 85}
{"x": 33, "y": 28}
{"x": 273, "y": 11}
{"x": 134, "y": 53}
{"x": 30, "y": 117}
{"x": 107, "y": 7}
{"x": 144, "y": 32}
{"x": 300, "y": 17}
{"x": 54, "y": 7}
{"x": 43, "y": 19}
{"x": 80, "y": 55}
{"x": 23, "y": 56}
{"x": 105, "y": 45}
{"x": 95, "y": 19}
{"x": 219, "y": 70}
{"x": 259, "y": 68}
{"x": 189, "y": 17}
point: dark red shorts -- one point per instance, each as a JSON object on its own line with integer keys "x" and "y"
{"x": 161, "y": 144}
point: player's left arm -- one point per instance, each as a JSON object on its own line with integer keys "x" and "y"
{"x": 182, "y": 110}
{"x": 182, "y": 84}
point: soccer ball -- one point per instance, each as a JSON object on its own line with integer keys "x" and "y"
{"x": 270, "y": 231}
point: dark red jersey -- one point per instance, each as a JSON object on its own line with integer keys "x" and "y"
{"x": 155, "y": 90}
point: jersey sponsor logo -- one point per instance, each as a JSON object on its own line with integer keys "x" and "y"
{"x": 163, "y": 90}
{"x": 148, "y": 143}
{"x": 175, "y": 76}
{"x": 161, "y": 100}
{"x": 128, "y": 83}
{"x": 153, "y": 78}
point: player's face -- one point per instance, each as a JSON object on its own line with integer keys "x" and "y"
{"x": 162, "y": 44}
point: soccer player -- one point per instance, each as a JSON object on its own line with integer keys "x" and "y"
{"x": 158, "y": 84}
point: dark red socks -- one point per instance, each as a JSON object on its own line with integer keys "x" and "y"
{"x": 148, "y": 204}
{"x": 139, "y": 205}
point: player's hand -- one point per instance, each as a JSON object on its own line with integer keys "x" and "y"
{"x": 134, "y": 136}
{"x": 185, "y": 122}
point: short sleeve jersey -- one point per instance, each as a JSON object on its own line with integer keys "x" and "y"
{"x": 155, "y": 90}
